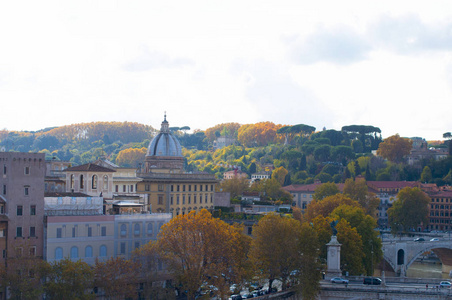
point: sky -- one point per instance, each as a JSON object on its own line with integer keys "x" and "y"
{"x": 326, "y": 63}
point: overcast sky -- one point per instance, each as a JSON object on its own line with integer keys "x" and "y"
{"x": 322, "y": 63}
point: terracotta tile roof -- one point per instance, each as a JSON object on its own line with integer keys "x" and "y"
{"x": 299, "y": 188}
{"x": 89, "y": 168}
{"x": 392, "y": 184}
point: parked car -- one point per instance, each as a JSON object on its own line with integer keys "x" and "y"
{"x": 419, "y": 239}
{"x": 445, "y": 284}
{"x": 434, "y": 240}
{"x": 235, "y": 297}
{"x": 372, "y": 280}
{"x": 339, "y": 280}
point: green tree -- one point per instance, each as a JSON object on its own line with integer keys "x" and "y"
{"x": 409, "y": 210}
{"x": 69, "y": 280}
{"x": 325, "y": 190}
{"x": 235, "y": 186}
{"x": 357, "y": 190}
{"x": 426, "y": 175}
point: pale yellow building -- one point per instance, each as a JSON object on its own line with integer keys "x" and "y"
{"x": 166, "y": 186}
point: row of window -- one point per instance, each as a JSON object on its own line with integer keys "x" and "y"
{"x": 124, "y": 188}
{"x": 439, "y": 206}
{"x": 195, "y": 187}
{"x": 74, "y": 231}
{"x": 26, "y": 170}
{"x": 137, "y": 229}
{"x": 160, "y": 199}
{"x": 441, "y": 200}
{"x": 439, "y": 214}
{"x": 94, "y": 182}
{"x": 26, "y": 190}
{"x": 20, "y": 210}
{"x": 74, "y": 253}
{"x": 31, "y": 231}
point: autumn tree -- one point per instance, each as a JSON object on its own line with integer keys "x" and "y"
{"x": 325, "y": 190}
{"x": 23, "y": 276}
{"x": 426, "y": 175}
{"x": 270, "y": 189}
{"x": 227, "y": 129}
{"x": 365, "y": 226}
{"x": 199, "y": 249}
{"x": 131, "y": 157}
{"x": 409, "y": 210}
{"x": 235, "y": 186}
{"x": 277, "y": 249}
{"x": 326, "y": 206}
{"x": 357, "y": 190}
{"x": 259, "y": 134}
{"x": 280, "y": 174}
{"x": 395, "y": 148}
{"x": 116, "y": 277}
{"x": 69, "y": 280}
{"x": 149, "y": 270}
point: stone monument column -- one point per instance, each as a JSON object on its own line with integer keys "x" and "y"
{"x": 333, "y": 258}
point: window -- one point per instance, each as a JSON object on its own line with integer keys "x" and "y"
{"x": 19, "y": 232}
{"x": 172, "y": 188}
{"x": 131, "y": 188}
{"x": 177, "y": 200}
{"x": 32, "y": 210}
{"x": 194, "y": 199}
{"x": 160, "y": 187}
{"x": 19, "y": 210}
{"x": 103, "y": 251}
{"x": 32, "y": 251}
{"x": 59, "y": 233}
{"x": 137, "y": 245}
{"x": 178, "y": 188}
{"x": 171, "y": 200}
{"x": 150, "y": 229}
{"x": 74, "y": 231}
{"x": 195, "y": 186}
{"x": 26, "y": 190}
{"x": 4, "y": 189}
{"x": 211, "y": 187}
{"x": 103, "y": 231}
{"x": 89, "y": 251}
{"x": 123, "y": 230}
{"x": 105, "y": 182}
{"x": 205, "y": 198}
{"x": 160, "y": 201}
{"x": 123, "y": 188}
{"x": 4, "y": 169}
{"x": 189, "y": 187}
{"x": 90, "y": 231}
{"x": 82, "y": 184}
{"x": 94, "y": 182}
{"x": 207, "y": 187}
{"x": 183, "y": 199}
{"x": 200, "y": 198}
{"x": 147, "y": 187}
{"x": 27, "y": 170}
{"x": 59, "y": 253}
{"x": 189, "y": 199}
{"x": 74, "y": 252}
{"x": 122, "y": 249}
{"x": 183, "y": 188}
{"x": 200, "y": 187}
{"x": 32, "y": 231}
{"x": 116, "y": 188}
{"x": 136, "y": 229}
{"x": 72, "y": 181}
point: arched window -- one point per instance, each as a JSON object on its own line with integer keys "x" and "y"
{"x": 123, "y": 230}
{"x": 105, "y": 182}
{"x": 59, "y": 253}
{"x": 94, "y": 182}
{"x": 150, "y": 229}
{"x": 82, "y": 184}
{"x": 136, "y": 229}
{"x": 72, "y": 181}
{"x": 89, "y": 251}
{"x": 400, "y": 257}
{"x": 103, "y": 251}
{"x": 74, "y": 252}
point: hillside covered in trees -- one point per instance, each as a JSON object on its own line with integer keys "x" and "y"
{"x": 306, "y": 154}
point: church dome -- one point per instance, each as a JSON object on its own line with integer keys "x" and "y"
{"x": 165, "y": 143}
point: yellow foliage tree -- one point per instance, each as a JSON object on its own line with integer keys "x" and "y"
{"x": 395, "y": 148}
{"x": 200, "y": 250}
{"x": 131, "y": 157}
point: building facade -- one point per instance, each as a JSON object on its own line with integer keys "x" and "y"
{"x": 21, "y": 204}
